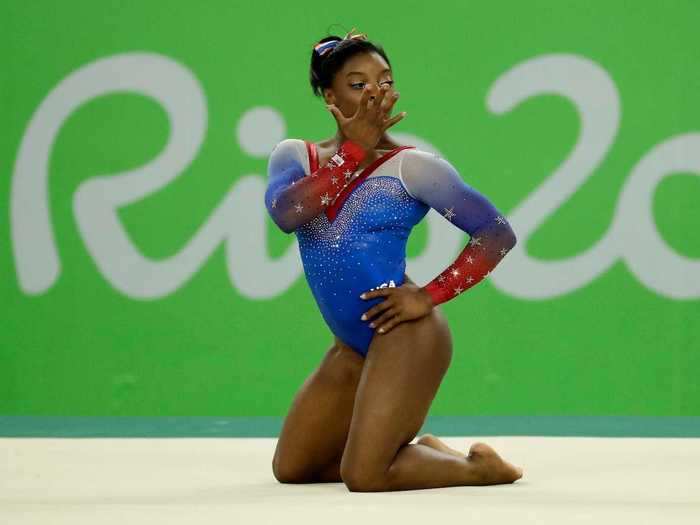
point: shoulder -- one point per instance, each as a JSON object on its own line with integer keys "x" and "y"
{"x": 289, "y": 145}
{"x": 417, "y": 162}
{"x": 288, "y": 151}
{"x": 288, "y": 156}
{"x": 421, "y": 171}
{"x": 416, "y": 154}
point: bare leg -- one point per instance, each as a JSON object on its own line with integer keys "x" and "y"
{"x": 429, "y": 439}
{"x": 332, "y": 472}
{"x": 315, "y": 429}
{"x": 310, "y": 446}
{"x": 400, "y": 378}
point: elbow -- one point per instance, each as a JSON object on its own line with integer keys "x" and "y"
{"x": 282, "y": 224}
{"x": 505, "y": 236}
{"x": 509, "y": 238}
{"x": 280, "y": 219}
{"x": 512, "y": 239}
{"x": 286, "y": 228}
{"x": 279, "y": 215}
{"x": 506, "y": 233}
{"x": 501, "y": 234}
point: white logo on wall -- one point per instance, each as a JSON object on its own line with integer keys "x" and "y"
{"x": 239, "y": 220}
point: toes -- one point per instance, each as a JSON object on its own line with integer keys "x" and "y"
{"x": 514, "y": 472}
{"x": 492, "y": 467}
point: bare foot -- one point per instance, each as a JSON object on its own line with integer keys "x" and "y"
{"x": 490, "y": 468}
{"x": 431, "y": 441}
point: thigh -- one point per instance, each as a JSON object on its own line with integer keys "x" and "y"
{"x": 316, "y": 427}
{"x": 403, "y": 370}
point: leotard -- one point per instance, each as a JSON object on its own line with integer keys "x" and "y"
{"x": 352, "y": 225}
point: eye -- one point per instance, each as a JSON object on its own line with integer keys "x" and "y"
{"x": 390, "y": 82}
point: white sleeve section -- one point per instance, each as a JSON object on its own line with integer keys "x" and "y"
{"x": 285, "y": 151}
{"x": 405, "y": 186}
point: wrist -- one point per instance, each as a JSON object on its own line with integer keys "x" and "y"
{"x": 353, "y": 150}
{"x": 428, "y": 296}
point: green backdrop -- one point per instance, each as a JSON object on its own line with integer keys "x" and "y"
{"x": 142, "y": 276}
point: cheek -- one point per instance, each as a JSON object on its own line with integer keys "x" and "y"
{"x": 354, "y": 101}
{"x": 350, "y": 105}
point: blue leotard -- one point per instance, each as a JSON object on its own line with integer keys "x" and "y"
{"x": 359, "y": 243}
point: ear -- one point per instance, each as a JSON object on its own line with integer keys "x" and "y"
{"x": 328, "y": 96}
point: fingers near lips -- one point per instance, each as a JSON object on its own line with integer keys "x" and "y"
{"x": 391, "y": 101}
{"x": 364, "y": 102}
{"x": 380, "y": 98}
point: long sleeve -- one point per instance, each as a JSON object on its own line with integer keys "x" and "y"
{"x": 293, "y": 199}
{"x": 435, "y": 182}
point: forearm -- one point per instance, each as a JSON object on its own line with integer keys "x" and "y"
{"x": 309, "y": 196}
{"x": 480, "y": 256}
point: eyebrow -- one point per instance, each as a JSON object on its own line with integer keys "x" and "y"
{"x": 362, "y": 72}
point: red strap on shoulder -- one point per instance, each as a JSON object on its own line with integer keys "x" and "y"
{"x": 313, "y": 156}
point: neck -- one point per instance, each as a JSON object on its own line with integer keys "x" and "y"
{"x": 385, "y": 142}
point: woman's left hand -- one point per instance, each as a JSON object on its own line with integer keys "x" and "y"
{"x": 402, "y": 303}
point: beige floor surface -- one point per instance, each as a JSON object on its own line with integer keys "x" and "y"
{"x": 182, "y": 480}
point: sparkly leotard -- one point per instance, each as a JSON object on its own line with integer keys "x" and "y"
{"x": 352, "y": 225}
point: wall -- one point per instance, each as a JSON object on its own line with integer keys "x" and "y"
{"x": 143, "y": 277}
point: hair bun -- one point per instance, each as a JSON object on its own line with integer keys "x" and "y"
{"x": 350, "y": 35}
{"x": 322, "y": 48}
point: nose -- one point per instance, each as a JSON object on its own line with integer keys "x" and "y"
{"x": 375, "y": 89}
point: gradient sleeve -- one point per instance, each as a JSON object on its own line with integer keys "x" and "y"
{"x": 435, "y": 182}
{"x": 293, "y": 199}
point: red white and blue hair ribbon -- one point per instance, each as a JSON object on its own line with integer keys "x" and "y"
{"x": 325, "y": 47}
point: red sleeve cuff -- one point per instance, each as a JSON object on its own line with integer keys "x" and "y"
{"x": 353, "y": 150}
{"x": 434, "y": 292}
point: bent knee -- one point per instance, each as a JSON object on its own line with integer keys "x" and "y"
{"x": 360, "y": 474}
{"x": 359, "y": 480}
{"x": 285, "y": 472}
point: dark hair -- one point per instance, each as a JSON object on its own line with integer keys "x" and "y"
{"x": 324, "y": 67}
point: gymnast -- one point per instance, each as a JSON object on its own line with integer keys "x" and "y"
{"x": 352, "y": 201}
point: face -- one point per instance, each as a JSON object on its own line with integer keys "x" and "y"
{"x": 362, "y": 69}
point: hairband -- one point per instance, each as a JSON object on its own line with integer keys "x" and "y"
{"x": 325, "y": 47}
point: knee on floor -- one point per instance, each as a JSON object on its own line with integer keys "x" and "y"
{"x": 361, "y": 479}
{"x": 286, "y": 472}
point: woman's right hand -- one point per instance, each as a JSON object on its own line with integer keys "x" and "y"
{"x": 371, "y": 119}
